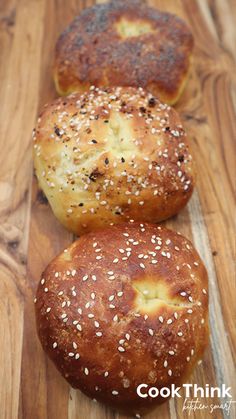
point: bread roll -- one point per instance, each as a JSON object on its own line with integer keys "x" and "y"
{"x": 123, "y": 306}
{"x": 124, "y": 43}
{"x": 112, "y": 155}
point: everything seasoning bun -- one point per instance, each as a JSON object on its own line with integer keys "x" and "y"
{"x": 124, "y": 43}
{"x": 123, "y": 306}
{"x": 112, "y": 155}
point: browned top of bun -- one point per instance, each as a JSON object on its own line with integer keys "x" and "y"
{"x": 124, "y": 306}
{"x": 110, "y": 155}
{"x": 124, "y": 43}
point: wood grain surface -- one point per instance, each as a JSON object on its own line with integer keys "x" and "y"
{"x": 30, "y": 386}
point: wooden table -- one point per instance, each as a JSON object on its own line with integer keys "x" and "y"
{"x": 30, "y": 386}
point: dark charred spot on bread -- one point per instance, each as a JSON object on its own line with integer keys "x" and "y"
{"x": 151, "y": 102}
{"x": 95, "y": 174}
{"x": 57, "y": 131}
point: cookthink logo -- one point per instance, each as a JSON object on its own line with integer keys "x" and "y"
{"x": 144, "y": 391}
{"x": 193, "y": 395}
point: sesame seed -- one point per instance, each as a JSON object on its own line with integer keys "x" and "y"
{"x": 165, "y": 364}
{"x": 121, "y": 349}
{"x": 142, "y": 265}
{"x": 115, "y": 393}
{"x": 86, "y": 371}
{"x": 170, "y": 373}
{"x": 150, "y": 331}
{"x": 54, "y": 345}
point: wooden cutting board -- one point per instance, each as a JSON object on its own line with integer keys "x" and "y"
{"x": 30, "y": 386}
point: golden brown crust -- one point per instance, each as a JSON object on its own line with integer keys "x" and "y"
{"x": 124, "y": 306}
{"x": 124, "y": 43}
{"x": 109, "y": 156}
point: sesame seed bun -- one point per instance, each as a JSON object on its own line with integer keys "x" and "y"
{"x": 124, "y": 306}
{"x": 124, "y": 43}
{"x": 112, "y": 155}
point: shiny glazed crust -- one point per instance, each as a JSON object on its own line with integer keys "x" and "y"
{"x": 124, "y": 306}
{"x": 112, "y": 155}
{"x": 124, "y": 43}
